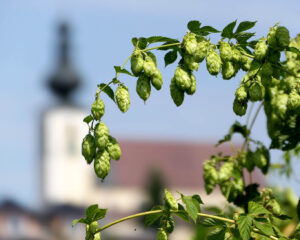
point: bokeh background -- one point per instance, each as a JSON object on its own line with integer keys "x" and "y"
{"x": 100, "y": 37}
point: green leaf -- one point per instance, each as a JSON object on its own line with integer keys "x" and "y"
{"x": 244, "y": 225}
{"x": 134, "y": 41}
{"x": 100, "y": 213}
{"x": 298, "y": 209}
{"x": 88, "y": 119}
{"x": 155, "y": 39}
{"x": 210, "y": 222}
{"x": 198, "y": 198}
{"x": 107, "y": 89}
{"x": 182, "y": 213}
{"x": 246, "y": 25}
{"x": 216, "y": 234}
{"x": 192, "y": 206}
{"x": 150, "y": 219}
{"x": 142, "y": 43}
{"x": 170, "y": 57}
{"x": 118, "y": 69}
{"x": 153, "y": 57}
{"x": 237, "y": 127}
{"x": 243, "y": 36}
{"x": 90, "y": 211}
{"x": 264, "y": 226}
{"x": 81, "y": 220}
{"x": 228, "y": 30}
{"x": 256, "y": 209}
{"x": 294, "y": 50}
{"x": 209, "y": 29}
{"x": 194, "y": 26}
{"x": 283, "y": 217}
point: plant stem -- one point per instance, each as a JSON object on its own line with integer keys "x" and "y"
{"x": 256, "y": 230}
{"x": 162, "y": 46}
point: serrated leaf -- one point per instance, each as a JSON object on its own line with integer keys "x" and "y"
{"x": 243, "y": 37}
{"x": 228, "y": 30}
{"x": 118, "y": 69}
{"x": 298, "y": 209}
{"x": 107, "y": 89}
{"x": 150, "y": 219}
{"x": 81, "y": 220}
{"x": 194, "y": 26}
{"x": 244, "y": 26}
{"x": 170, "y": 57}
{"x": 134, "y": 41}
{"x": 88, "y": 119}
{"x": 182, "y": 213}
{"x": 155, "y": 39}
{"x": 209, "y": 29}
{"x": 192, "y": 206}
{"x": 210, "y": 222}
{"x": 90, "y": 211}
{"x": 99, "y": 214}
{"x": 142, "y": 43}
{"x": 244, "y": 225}
{"x": 153, "y": 57}
{"x": 198, "y": 198}
{"x": 294, "y": 50}
{"x": 256, "y": 209}
{"x": 264, "y": 227}
{"x": 216, "y": 234}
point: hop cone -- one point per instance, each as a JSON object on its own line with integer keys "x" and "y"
{"x": 98, "y": 109}
{"x": 213, "y": 63}
{"x": 101, "y": 135}
{"x": 176, "y": 93}
{"x": 102, "y": 164}
{"x": 122, "y": 98}
{"x": 143, "y": 87}
{"x": 113, "y": 148}
{"x": 88, "y": 148}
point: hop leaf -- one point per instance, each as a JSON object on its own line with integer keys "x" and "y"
{"x": 102, "y": 164}
{"x": 213, "y": 63}
{"x": 122, "y": 98}
{"x": 113, "y": 148}
{"x": 98, "y": 109}
{"x": 176, "y": 93}
{"x": 143, "y": 87}
{"x": 170, "y": 200}
{"x": 88, "y": 148}
{"x": 101, "y": 135}
{"x": 282, "y": 36}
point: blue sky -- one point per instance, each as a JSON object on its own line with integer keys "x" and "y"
{"x": 102, "y": 30}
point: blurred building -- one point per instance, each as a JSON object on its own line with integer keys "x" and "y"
{"x": 69, "y": 185}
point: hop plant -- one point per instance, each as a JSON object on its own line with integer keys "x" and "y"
{"x": 171, "y": 201}
{"x": 97, "y": 236}
{"x": 225, "y": 51}
{"x": 236, "y": 55}
{"x": 123, "y": 98}
{"x": 93, "y": 227}
{"x": 156, "y": 79}
{"x": 98, "y": 109}
{"x": 190, "y": 62}
{"x": 245, "y": 62}
{"x": 162, "y": 235}
{"x": 182, "y": 78}
{"x": 239, "y": 107}
{"x": 293, "y": 102}
{"x": 176, "y": 93}
{"x": 282, "y": 36}
{"x": 168, "y": 223}
{"x": 256, "y": 91}
{"x": 193, "y": 86}
{"x": 201, "y": 51}
{"x": 88, "y": 148}
{"x": 101, "y": 135}
{"x": 137, "y": 63}
{"x": 149, "y": 67}
{"x": 102, "y": 164}
{"x": 213, "y": 63}
{"x": 260, "y": 50}
{"x": 267, "y": 69}
{"x": 241, "y": 94}
{"x": 190, "y": 43}
{"x": 271, "y": 38}
{"x": 210, "y": 176}
{"x": 143, "y": 87}
{"x": 113, "y": 148}
{"x": 225, "y": 171}
{"x": 228, "y": 70}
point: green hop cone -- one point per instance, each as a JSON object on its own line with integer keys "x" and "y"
{"x": 113, "y": 148}
{"x": 236, "y": 55}
{"x": 293, "y": 102}
{"x": 143, "y": 87}
{"x": 282, "y": 37}
{"x": 260, "y": 50}
{"x": 190, "y": 62}
{"x": 162, "y": 235}
{"x": 176, "y": 93}
{"x": 156, "y": 79}
{"x": 225, "y": 51}
{"x": 137, "y": 63}
{"x": 226, "y": 171}
{"x": 97, "y": 236}
{"x": 274, "y": 56}
{"x": 102, "y": 164}
{"x": 241, "y": 94}
{"x": 228, "y": 70}
{"x": 193, "y": 87}
{"x": 101, "y": 135}
{"x": 170, "y": 200}
{"x": 274, "y": 206}
{"x": 98, "y": 109}
{"x": 168, "y": 223}
{"x": 245, "y": 62}
{"x": 256, "y": 92}
{"x": 88, "y": 148}
{"x": 201, "y": 51}
{"x": 123, "y": 98}
{"x": 213, "y": 63}
{"x": 149, "y": 66}
{"x": 210, "y": 176}
{"x": 93, "y": 227}
{"x": 259, "y": 158}
{"x": 190, "y": 43}
{"x": 239, "y": 107}
{"x": 267, "y": 69}
{"x": 182, "y": 78}
{"x": 271, "y": 38}
{"x": 88, "y": 235}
